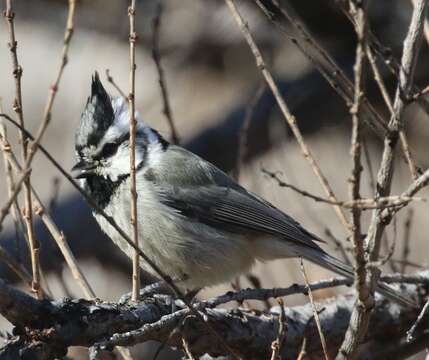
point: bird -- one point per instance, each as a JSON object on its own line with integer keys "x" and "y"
{"x": 194, "y": 221}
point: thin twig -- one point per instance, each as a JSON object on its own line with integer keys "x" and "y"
{"x": 386, "y": 55}
{"x": 319, "y": 57}
{"x": 325, "y": 63}
{"x": 367, "y": 157}
{"x": 362, "y": 311}
{"x": 15, "y": 266}
{"x": 409, "y": 58}
{"x": 412, "y": 332}
{"x": 265, "y": 294}
{"x": 115, "y": 85}
{"x": 315, "y": 312}
{"x": 186, "y": 349}
{"x": 383, "y": 90}
{"x": 5, "y": 209}
{"x": 18, "y": 108}
{"x": 53, "y": 200}
{"x": 17, "y": 220}
{"x": 133, "y": 122}
{"x": 392, "y": 201}
{"x": 360, "y": 268}
{"x": 276, "y": 345}
{"x": 338, "y": 245}
{"x": 390, "y": 249}
{"x": 244, "y": 130}
{"x": 156, "y": 55}
{"x": 291, "y": 120}
{"x": 406, "y": 241}
{"x": 58, "y": 235}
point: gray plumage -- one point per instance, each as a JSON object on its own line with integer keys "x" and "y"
{"x": 195, "y": 222}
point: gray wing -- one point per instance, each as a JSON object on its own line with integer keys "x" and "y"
{"x": 230, "y": 209}
{"x": 202, "y": 192}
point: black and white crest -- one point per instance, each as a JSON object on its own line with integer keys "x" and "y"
{"x": 96, "y": 118}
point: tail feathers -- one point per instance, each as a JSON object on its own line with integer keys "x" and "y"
{"x": 321, "y": 258}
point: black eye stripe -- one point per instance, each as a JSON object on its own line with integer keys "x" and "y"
{"x": 109, "y": 150}
{"x": 123, "y": 138}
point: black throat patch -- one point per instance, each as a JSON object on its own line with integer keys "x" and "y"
{"x": 102, "y": 189}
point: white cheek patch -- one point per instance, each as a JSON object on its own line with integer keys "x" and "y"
{"x": 154, "y": 154}
{"x": 119, "y": 164}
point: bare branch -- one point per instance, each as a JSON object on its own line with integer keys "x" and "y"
{"x": 276, "y": 345}
{"x": 131, "y": 104}
{"x": 356, "y": 330}
{"x": 244, "y": 129}
{"x": 56, "y": 325}
{"x": 327, "y": 66}
{"x": 362, "y": 311}
{"x": 315, "y": 313}
{"x": 156, "y": 27}
{"x": 291, "y": 120}
{"x": 18, "y": 108}
{"x": 361, "y": 203}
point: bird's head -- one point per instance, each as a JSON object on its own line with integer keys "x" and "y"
{"x": 102, "y": 138}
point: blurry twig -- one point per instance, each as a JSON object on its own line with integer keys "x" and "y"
{"x": 315, "y": 312}
{"x": 57, "y": 235}
{"x": 323, "y": 61}
{"x": 186, "y": 349}
{"x": 404, "y": 142}
{"x": 412, "y": 332}
{"x": 17, "y": 219}
{"x": 413, "y": 188}
{"x": 367, "y": 157}
{"x": 426, "y": 25}
{"x": 15, "y": 266}
{"x": 55, "y": 194}
{"x": 5, "y": 209}
{"x": 156, "y": 27}
{"x": 421, "y": 93}
{"x": 115, "y": 85}
{"x": 244, "y": 129}
{"x": 368, "y": 203}
{"x": 131, "y": 104}
{"x": 408, "y": 263}
{"x": 18, "y": 108}
{"x": 319, "y": 57}
{"x": 256, "y": 283}
{"x": 42, "y": 128}
{"x": 338, "y": 245}
{"x": 276, "y": 345}
{"x": 406, "y": 240}
{"x": 291, "y": 120}
{"x": 303, "y": 352}
{"x": 390, "y": 249}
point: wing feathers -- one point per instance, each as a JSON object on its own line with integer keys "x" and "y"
{"x": 240, "y": 209}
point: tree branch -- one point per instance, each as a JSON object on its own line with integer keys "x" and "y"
{"x": 44, "y": 330}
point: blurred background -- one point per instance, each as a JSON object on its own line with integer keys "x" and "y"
{"x": 211, "y": 78}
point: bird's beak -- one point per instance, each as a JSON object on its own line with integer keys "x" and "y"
{"x": 85, "y": 169}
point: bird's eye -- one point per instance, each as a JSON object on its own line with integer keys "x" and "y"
{"x": 109, "y": 150}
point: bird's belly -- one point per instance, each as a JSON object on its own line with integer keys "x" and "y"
{"x": 184, "y": 250}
